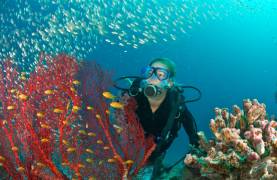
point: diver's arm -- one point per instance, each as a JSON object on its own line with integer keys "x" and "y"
{"x": 189, "y": 125}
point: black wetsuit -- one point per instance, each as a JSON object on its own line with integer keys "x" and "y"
{"x": 154, "y": 123}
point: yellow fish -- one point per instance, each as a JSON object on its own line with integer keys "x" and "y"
{"x": 65, "y": 164}
{"x": 68, "y": 105}
{"x": 108, "y": 95}
{"x": 129, "y": 162}
{"x": 111, "y": 160}
{"x": 65, "y": 142}
{"x": 40, "y": 114}
{"x": 91, "y": 134}
{"x": 14, "y": 148}
{"x": 2, "y": 158}
{"x": 89, "y": 108}
{"x": 45, "y": 126}
{"x": 118, "y": 128}
{"x": 5, "y": 122}
{"x": 99, "y": 142}
{"x": 78, "y": 174}
{"x": 116, "y": 105}
{"x": 44, "y": 140}
{"x": 10, "y": 108}
{"x": 71, "y": 149}
{"x": 100, "y": 162}
{"x": 66, "y": 123}
{"x": 116, "y": 157}
{"x": 98, "y": 116}
{"x": 73, "y": 89}
{"x": 81, "y": 165}
{"x": 57, "y": 110}
{"x": 23, "y": 77}
{"x": 40, "y": 164}
{"x": 76, "y": 82}
{"x": 75, "y": 109}
{"x": 89, "y": 160}
{"x": 89, "y": 151}
{"x": 20, "y": 169}
{"x": 82, "y": 132}
{"x": 23, "y": 97}
{"x": 48, "y": 92}
{"x": 13, "y": 91}
{"x": 106, "y": 148}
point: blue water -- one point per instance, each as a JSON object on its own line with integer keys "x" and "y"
{"x": 228, "y": 59}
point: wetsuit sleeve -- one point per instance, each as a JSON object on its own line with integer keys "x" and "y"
{"x": 189, "y": 125}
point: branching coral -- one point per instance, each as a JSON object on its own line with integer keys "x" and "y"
{"x": 245, "y": 144}
{"x": 54, "y": 126}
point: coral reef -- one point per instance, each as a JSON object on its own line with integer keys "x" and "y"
{"x": 245, "y": 145}
{"x": 58, "y": 123}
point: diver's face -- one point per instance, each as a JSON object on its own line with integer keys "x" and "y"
{"x": 160, "y": 78}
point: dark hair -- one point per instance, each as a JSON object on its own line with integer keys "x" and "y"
{"x": 168, "y": 63}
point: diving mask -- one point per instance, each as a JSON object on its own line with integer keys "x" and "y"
{"x": 160, "y": 73}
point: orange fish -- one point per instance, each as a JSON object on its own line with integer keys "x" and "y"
{"x": 108, "y": 95}
{"x": 116, "y": 105}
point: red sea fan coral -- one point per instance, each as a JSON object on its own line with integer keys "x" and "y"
{"x": 119, "y": 128}
{"x": 54, "y": 126}
{"x": 34, "y": 109}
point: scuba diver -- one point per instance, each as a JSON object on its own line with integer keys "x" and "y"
{"x": 161, "y": 109}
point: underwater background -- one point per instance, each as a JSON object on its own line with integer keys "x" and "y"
{"x": 225, "y": 48}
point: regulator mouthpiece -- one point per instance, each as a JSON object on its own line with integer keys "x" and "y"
{"x": 151, "y": 90}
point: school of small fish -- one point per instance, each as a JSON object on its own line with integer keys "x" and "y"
{"x": 78, "y": 27}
